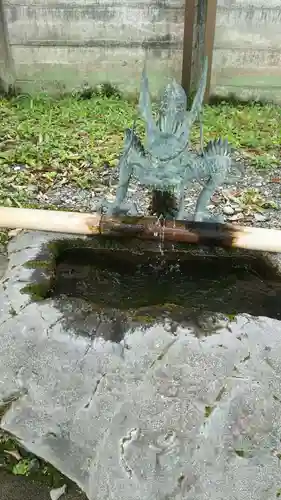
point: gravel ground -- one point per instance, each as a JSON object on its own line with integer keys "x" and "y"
{"x": 251, "y": 199}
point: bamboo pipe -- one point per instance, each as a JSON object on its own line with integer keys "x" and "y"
{"x": 145, "y": 228}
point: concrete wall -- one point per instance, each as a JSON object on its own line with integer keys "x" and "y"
{"x": 61, "y": 44}
{"x": 247, "y": 55}
{"x": 6, "y": 61}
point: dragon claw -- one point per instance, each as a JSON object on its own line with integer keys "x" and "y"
{"x": 111, "y": 209}
{"x": 217, "y": 219}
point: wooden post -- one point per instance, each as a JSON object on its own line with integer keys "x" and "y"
{"x": 198, "y": 41}
{"x": 7, "y": 77}
{"x": 188, "y": 37}
{"x": 210, "y": 29}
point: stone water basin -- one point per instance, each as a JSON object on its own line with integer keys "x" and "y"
{"x": 143, "y": 376}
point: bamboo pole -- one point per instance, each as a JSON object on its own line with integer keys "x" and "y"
{"x": 145, "y": 228}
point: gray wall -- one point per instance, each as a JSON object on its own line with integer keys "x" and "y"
{"x": 7, "y": 76}
{"x": 61, "y": 44}
{"x": 58, "y": 45}
{"x": 247, "y": 55}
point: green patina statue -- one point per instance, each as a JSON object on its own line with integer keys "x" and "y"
{"x": 164, "y": 163}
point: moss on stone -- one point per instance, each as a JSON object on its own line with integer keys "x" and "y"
{"x": 44, "y": 264}
{"x": 39, "y": 264}
{"x": 37, "y": 291}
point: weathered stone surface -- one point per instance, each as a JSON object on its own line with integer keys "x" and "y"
{"x": 162, "y": 414}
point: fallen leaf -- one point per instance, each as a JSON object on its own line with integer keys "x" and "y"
{"x": 236, "y": 217}
{"x": 14, "y": 453}
{"x": 56, "y": 493}
{"x": 14, "y": 232}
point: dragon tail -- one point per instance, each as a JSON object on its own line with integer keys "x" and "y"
{"x": 217, "y": 147}
{"x": 145, "y": 107}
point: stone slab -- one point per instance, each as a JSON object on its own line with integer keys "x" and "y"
{"x": 162, "y": 414}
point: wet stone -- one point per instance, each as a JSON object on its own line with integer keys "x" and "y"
{"x": 141, "y": 377}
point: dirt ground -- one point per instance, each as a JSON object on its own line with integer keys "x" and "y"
{"x": 22, "y": 488}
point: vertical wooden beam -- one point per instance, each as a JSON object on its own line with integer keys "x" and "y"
{"x": 198, "y": 40}
{"x": 7, "y": 77}
{"x": 210, "y": 29}
{"x": 188, "y": 37}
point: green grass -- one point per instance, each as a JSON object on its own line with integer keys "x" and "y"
{"x": 67, "y": 141}
{"x": 254, "y": 129}
{"x": 60, "y": 141}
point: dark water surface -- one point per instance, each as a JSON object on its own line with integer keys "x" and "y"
{"x": 127, "y": 292}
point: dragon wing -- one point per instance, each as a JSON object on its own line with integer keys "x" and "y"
{"x": 195, "y": 111}
{"x": 145, "y": 105}
{"x": 172, "y": 108}
{"x": 173, "y": 117}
